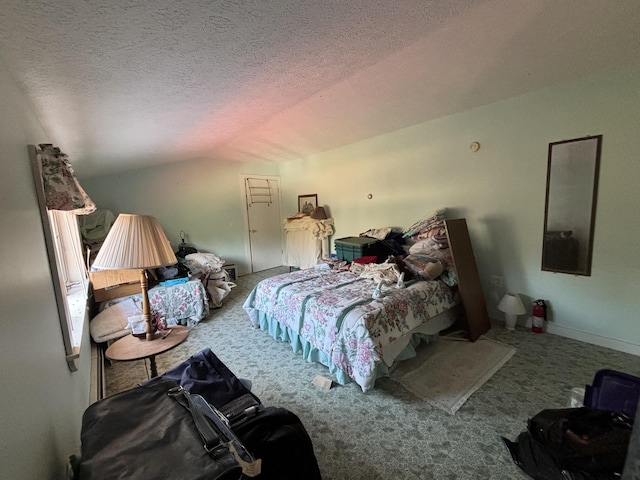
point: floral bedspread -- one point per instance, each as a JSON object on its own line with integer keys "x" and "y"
{"x": 334, "y": 313}
{"x": 180, "y": 304}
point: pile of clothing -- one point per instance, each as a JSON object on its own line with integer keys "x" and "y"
{"x": 208, "y": 268}
{"x": 214, "y": 277}
{"x": 429, "y": 256}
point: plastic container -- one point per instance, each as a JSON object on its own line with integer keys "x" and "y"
{"x": 350, "y": 248}
{"x": 612, "y": 390}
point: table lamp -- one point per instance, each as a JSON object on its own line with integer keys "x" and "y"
{"x": 512, "y": 306}
{"x": 136, "y": 242}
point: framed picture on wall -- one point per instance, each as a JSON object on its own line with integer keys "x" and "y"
{"x": 307, "y": 203}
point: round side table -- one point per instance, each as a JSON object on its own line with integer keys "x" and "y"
{"x": 131, "y": 348}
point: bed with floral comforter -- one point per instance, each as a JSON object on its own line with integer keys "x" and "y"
{"x": 331, "y": 317}
{"x": 179, "y": 304}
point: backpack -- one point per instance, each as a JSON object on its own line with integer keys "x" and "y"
{"x": 573, "y": 444}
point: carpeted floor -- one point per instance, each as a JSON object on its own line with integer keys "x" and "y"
{"x": 388, "y": 433}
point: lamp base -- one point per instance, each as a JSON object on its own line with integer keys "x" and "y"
{"x": 146, "y": 310}
{"x": 158, "y": 334}
{"x": 510, "y": 321}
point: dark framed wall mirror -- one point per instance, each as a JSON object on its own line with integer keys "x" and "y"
{"x": 570, "y": 207}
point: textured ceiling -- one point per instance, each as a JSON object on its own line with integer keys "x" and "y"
{"x": 123, "y": 83}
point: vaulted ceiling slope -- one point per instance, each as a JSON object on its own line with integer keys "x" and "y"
{"x": 125, "y": 83}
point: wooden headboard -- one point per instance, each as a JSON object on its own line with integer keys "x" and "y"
{"x": 469, "y": 286}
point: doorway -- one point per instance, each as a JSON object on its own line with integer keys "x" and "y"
{"x": 263, "y": 222}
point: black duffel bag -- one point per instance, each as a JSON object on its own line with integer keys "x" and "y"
{"x": 149, "y": 432}
{"x": 573, "y": 443}
{"x": 273, "y": 435}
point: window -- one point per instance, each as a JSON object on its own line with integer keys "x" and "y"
{"x": 68, "y": 273}
{"x": 74, "y": 281}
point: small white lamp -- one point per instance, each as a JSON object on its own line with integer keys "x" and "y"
{"x": 512, "y": 306}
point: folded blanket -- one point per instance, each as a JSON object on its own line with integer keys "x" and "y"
{"x": 208, "y": 262}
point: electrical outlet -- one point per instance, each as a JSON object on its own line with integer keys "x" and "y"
{"x": 497, "y": 281}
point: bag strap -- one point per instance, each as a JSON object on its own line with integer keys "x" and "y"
{"x": 222, "y": 424}
{"x": 215, "y": 431}
{"x": 211, "y": 440}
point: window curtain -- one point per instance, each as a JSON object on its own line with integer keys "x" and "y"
{"x": 61, "y": 187}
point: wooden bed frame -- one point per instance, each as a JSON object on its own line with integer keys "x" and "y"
{"x": 477, "y": 320}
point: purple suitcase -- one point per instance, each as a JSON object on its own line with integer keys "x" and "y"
{"x": 615, "y": 391}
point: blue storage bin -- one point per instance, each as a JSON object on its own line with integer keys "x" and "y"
{"x": 350, "y": 248}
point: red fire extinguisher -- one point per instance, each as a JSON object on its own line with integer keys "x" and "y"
{"x": 539, "y": 316}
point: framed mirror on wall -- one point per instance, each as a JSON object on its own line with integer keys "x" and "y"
{"x": 570, "y": 207}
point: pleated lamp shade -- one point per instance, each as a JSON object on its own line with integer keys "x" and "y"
{"x": 135, "y": 241}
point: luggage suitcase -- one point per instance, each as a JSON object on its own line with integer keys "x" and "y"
{"x": 273, "y": 435}
{"x": 615, "y": 391}
{"x": 146, "y": 433}
{"x": 277, "y": 437}
{"x": 573, "y": 443}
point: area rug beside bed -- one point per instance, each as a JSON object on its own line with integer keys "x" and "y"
{"x": 447, "y": 372}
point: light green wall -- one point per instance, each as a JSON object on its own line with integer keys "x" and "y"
{"x": 42, "y": 400}
{"x": 501, "y": 192}
{"x": 202, "y": 198}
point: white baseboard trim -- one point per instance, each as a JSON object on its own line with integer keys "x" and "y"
{"x": 594, "y": 339}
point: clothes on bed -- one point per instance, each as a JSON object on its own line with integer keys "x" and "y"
{"x": 427, "y": 227}
{"x": 377, "y": 233}
{"x": 332, "y": 318}
{"x": 431, "y": 258}
{"x": 386, "y": 272}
